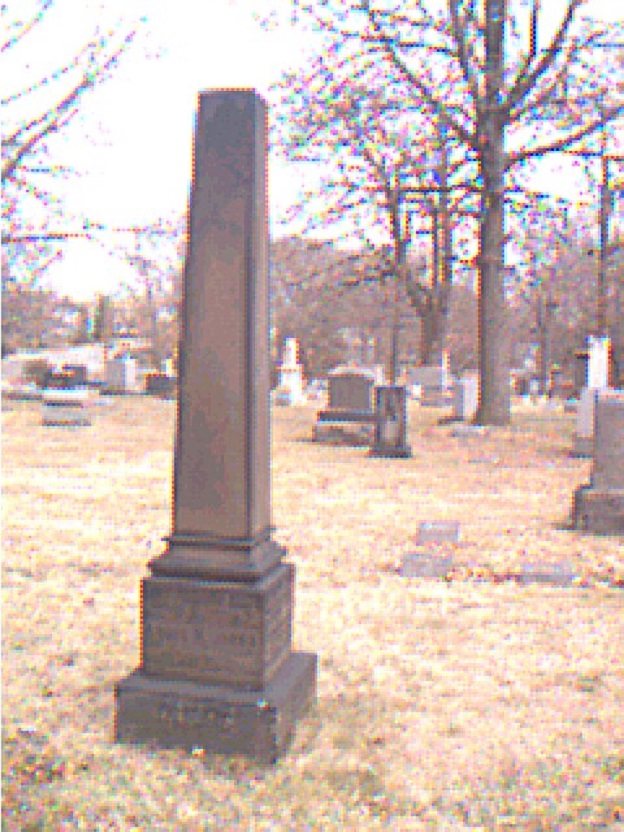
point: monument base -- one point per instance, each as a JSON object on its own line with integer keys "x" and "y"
{"x": 600, "y": 512}
{"x": 583, "y": 446}
{"x": 219, "y": 720}
{"x": 391, "y": 452}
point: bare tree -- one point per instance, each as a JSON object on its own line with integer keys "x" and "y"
{"x": 389, "y": 172}
{"x": 509, "y": 98}
{"x": 36, "y": 111}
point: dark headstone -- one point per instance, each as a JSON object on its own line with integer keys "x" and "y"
{"x": 217, "y": 669}
{"x": 350, "y": 415}
{"x": 391, "y": 422}
{"x": 160, "y": 384}
{"x": 60, "y": 380}
{"x": 79, "y": 373}
{"x": 351, "y": 390}
{"x": 580, "y": 370}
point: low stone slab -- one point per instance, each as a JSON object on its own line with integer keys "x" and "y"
{"x": 344, "y": 433}
{"x": 560, "y": 573}
{"x": 599, "y": 512}
{"x": 66, "y": 407}
{"x": 463, "y": 431}
{"x": 438, "y": 532}
{"x": 417, "y": 565}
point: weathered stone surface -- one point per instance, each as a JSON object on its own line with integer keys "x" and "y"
{"x": 416, "y": 565}
{"x": 66, "y": 407}
{"x": 585, "y": 419}
{"x": 175, "y": 713}
{"x": 391, "y": 422}
{"x": 600, "y": 512}
{"x": 438, "y": 532}
{"x": 217, "y": 632}
{"x": 599, "y": 506}
{"x": 560, "y": 573}
{"x": 608, "y": 470}
{"x": 222, "y": 483}
{"x": 466, "y": 398}
{"x": 217, "y": 670}
{"x": 351, "y": 390}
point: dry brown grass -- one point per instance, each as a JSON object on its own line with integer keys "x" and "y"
{"x": 474, "y": 703}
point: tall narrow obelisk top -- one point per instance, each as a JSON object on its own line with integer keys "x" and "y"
{"x": 221, "y": 513}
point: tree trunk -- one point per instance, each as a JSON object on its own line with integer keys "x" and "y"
{"x": 494, "y": 406}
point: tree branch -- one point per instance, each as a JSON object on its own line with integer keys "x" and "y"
{"x": 566, "y": 141}
{"x": 526, "y": 77}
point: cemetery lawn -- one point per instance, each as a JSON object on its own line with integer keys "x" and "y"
{"x": 470, "y": 703}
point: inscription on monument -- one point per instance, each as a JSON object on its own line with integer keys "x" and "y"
{"x": 216, "y": 634}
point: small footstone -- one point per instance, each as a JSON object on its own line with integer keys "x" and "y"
{"x": 438, "y": 532}
{"x": 555, "y": 574}
{"x": 426, "y": 565}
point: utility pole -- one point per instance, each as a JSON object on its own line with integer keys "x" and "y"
{"x": 604, "y": 217}
{"x": 605, "y": 212}
{"x": 446, "y": 228}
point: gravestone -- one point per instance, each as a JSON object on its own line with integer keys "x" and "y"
{"x": 350, "y": 409}
{"x": 67, "y": 407}
{"x": 161, "y": 385}
{"x": 391, "y": 422}
{"x": 217, "y": 670}
{"x": 560, "y": 573}
{"x": 290, "y": 388}
{"x": 466, "y": 398}
{"x": 79, "y": 374}
{"x": 599, "y": 350}
{"x": 597, "y": 379}
{"x": 121, "y": 375}
{"x": 433, "y": 559}
{"x": 351, "y": 390}
{"x": 585, "y": 417}
{"x": 435, "y": 381}
{"x": 65, "y": 400}
{"x": 599, "y": 506}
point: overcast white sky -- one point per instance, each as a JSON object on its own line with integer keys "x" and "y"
{"x": 136, "y": 161}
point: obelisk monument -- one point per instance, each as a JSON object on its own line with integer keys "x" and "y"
{"x": 217, "y": 669}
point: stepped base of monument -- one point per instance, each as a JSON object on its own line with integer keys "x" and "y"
{"x": 583, "y": 446}
{"x": 176, "y": 714}
{"x": 600, "y": 512}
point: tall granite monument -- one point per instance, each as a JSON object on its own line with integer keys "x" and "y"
{"x": 217, "y": 670}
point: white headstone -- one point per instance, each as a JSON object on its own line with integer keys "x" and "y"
{"x": 121, "y": 375}
{"x": 290, "y": 389}
{"x": 466, "y": 397}
{"x": 599, "y": 350}
{"x": 290, "y": 357}
{"x": 447, "y": 378}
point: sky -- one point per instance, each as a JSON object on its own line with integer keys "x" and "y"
{"x": 132, "y": 143}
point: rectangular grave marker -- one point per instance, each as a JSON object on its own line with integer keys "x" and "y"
{"x": 217, "y": 670}
{"x": 599, "y": 506}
